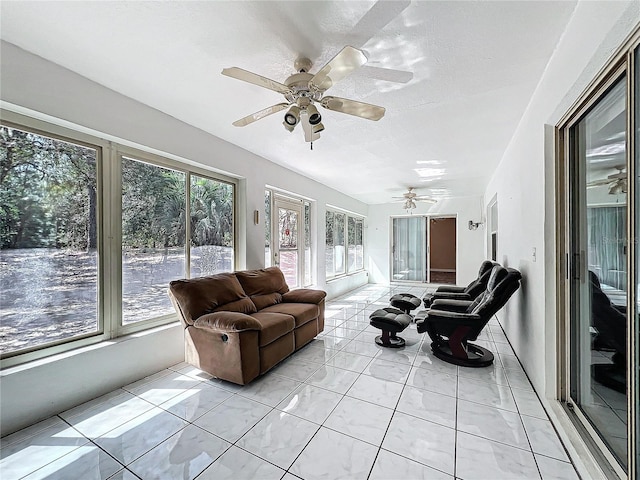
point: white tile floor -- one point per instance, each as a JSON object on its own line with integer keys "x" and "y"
{"x": 342, "y": 407}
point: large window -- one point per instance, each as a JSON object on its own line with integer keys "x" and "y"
{"x": 48, "y": 240}
{"x": 156, "y": 230}
{"x": 59, "y": 230}
{"x": 355, "y": 246}
{"x": 153, "y": 234}
{"x": 267, "y": 229}
{"x": 308, "y": 279}
{"x": 344, "y": 243}
{"x": 211, "y": 217}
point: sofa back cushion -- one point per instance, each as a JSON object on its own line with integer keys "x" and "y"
{"x": 199, "y": 296}
{"x": 264, "y": 286}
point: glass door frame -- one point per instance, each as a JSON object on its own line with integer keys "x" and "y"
{"x": 392, "y": 246}
{"x": 279, "y": 202}
{"x": 621, "y": 65}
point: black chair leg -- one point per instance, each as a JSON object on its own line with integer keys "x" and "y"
{"x": 389, "y": 339}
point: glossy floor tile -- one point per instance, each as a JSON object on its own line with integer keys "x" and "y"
{"x": 340, "y": 408}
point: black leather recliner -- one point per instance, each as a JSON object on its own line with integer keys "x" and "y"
{"x": 451, "y": 324}
{"x": 458, "y": 292}
{"x": 611, "y": 324}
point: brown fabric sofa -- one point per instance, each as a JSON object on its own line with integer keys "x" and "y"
{"x": 239, "y": 325}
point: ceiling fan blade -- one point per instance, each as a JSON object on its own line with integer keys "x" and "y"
{"x": 351, "y": 107}
{"x": 377, "y": 18}
{"x": 254, "y": 78}
{"x": 265, "y": 112}
{"x": 426, "y": 200}
{"x": 309, "y": 135}
{"x": 597, "y": 183}
{"x": 387, "y": 74}
{"x": 345, "y": 62}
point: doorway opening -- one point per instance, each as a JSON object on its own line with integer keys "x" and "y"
{"x": 442, "y": 250}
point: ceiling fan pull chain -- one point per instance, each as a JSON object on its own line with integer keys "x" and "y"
{"x": 311, "y": 145}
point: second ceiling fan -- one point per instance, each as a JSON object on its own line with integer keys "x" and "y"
{"x": 303, "y": 90}
{"x": 410, "y": 198}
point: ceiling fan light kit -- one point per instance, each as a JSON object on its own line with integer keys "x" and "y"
{"x": 292, "y": 117}
{"x": 302, "y": 90}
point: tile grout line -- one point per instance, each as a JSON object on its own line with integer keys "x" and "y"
{"x": 359, "y": 374}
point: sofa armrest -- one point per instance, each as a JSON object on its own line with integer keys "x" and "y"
{"x": 304, "y": 295}
{"x": 227, "y": 322}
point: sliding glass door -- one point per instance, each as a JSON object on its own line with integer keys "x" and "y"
{"x": 599, "y": 288}
{"x": 598, "y": 263}
{"x": 409, "y": 246}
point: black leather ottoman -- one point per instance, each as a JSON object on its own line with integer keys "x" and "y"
{"x": 405, "y": 302}
{"x": 391, "y": 321}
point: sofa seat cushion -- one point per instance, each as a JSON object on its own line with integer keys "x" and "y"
{"x": 274, "y": 325}
{"x": 302, "y": 312}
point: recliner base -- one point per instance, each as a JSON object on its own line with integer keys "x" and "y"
{"x": 389, "y": 340}
{"x": 477, "y": 356}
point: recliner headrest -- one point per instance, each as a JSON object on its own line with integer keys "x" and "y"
{"x": 486, "y": 266}
{"x": 479, "y": 285}
{"x": 498, "y": 274}
{"x": 502, "y": 284}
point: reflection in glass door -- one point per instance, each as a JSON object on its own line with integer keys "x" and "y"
{"x": 409, "y": 249}
{"x": 598, "y": 269}
{"x": 288, "y": 248}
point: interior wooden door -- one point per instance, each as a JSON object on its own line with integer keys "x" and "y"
{"x": 442, "y": 250}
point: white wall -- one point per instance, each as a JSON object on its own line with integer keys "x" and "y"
{"x": 38, "y": 88}
{"x": 36, "y": 391}
{"x": 524, "y": 182}
{"x": 471, "y": 246}
{"x": 335, "y": 288}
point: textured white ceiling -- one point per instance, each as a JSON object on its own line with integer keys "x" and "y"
{"x": 475, "y": 66}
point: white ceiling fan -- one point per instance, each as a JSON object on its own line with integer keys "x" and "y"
{"x": 410, "y": 198}
{"x": 303, "y": 90}
{"x": 617, "y": 182}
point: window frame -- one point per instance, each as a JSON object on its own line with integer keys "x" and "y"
{"x": 347, "y": 215}
{"x": 109, "y": 230}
